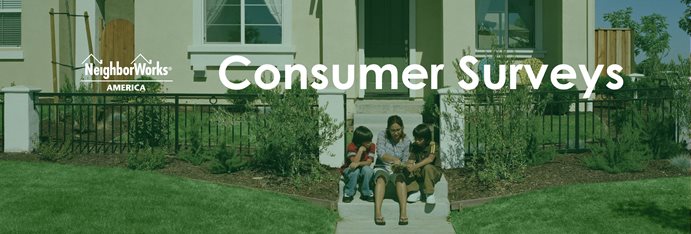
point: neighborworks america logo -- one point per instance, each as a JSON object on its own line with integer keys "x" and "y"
{"x": 135, "y": 68}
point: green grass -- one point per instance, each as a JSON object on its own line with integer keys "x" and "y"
{"x": 53, "y": 198}
{"x": 648, "y": 206}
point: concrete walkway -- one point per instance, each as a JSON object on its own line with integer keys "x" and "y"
{"x": 358, "y": 216}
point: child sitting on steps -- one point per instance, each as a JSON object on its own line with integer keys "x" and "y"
{"x": 359, "y": 156}
{"x": 423, "y": 164}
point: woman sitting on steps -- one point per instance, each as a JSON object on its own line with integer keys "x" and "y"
{"x": 392, "y": 149}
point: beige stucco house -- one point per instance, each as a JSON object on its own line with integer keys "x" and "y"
{"x": 193, "y": 37}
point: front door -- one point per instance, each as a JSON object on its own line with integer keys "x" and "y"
{"x": 386, "y": 42}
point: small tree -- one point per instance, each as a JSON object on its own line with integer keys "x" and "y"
{"x": 685, "y": 21}
{"x": 650, "y": 36}
{"x": 503, "y": 121}
{"x": 290, "y": 137}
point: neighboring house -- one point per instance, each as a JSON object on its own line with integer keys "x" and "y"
{"x": 193, "y": 37}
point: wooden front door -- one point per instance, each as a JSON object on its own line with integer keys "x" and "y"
{"x": 386, "y": 42}
{"x": 117, "y": 44}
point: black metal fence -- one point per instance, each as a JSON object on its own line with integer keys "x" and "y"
{"x": 116, "y": 123}
{"x": 2, "y": 122}
{"x": 572, "y": 124}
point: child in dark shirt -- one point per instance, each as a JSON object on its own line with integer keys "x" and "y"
{"x": 423, "y": 164}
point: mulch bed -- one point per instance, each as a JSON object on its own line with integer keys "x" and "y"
{"x": 564, "y": 170}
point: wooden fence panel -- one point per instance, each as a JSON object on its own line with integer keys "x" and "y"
{"x": 615, "y": 46}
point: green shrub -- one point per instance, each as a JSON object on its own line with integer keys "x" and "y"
{"x": 623, "y": 153}
{"x": 430, "y": 111}
{"x": 225, "y": 161}
{"x": 51, "y": 152}
{"x": 84, "y": 115}
{"x": 193, "y": 157}
{"x": 542, "y": 156}
{"x": 556, "y": 101}
{"x": 505, "y": 120}
{"x": 681, "y": 162}
{"x": 146, "y": 159}
{"x": 243, "y": 99}
{"x": 605, "y": 93}
{"x": 293, "y": 133}
{"x": 150, "y": 127}
{"x": 660, "y": 135}
{"x": 195, "y": 153}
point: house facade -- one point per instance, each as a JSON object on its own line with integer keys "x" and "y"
{"x": 193, "y": 37}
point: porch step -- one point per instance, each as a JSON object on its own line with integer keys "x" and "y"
{"x": 377, "y": 122}
{"x": 389, "y": 106}
{"x": 359, "y": 210}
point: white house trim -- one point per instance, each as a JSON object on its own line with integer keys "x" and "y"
{"x": 412, "y": 46}
{"x": 11, "y": 53}
{"x": 204, "y": 54}
{"x": 517, "y": 53}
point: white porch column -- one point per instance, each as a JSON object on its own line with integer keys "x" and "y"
{"x": 452, "y": 150}
{"x": 333, "y": 101}
{"x": 21, "y": 119}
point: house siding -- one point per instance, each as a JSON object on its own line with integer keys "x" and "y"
{"x": 323, "y": 32}
{"x": 35, "y": 69}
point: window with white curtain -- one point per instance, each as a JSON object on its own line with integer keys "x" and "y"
{"x": 10, "y": 23}
{"x": 243, "y": 21}
{"x": 505, "y": 24}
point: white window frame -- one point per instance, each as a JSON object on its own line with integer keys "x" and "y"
{"x": 203, "y": 54}
{"x": 13, "y": 52}
{"x": 537, "y": 52}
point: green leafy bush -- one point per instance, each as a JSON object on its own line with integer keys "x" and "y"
{"x": 194, "y": 157}
{"x": 605, "y": 93}
{"x": 146, "y": 159}
{"x": 681, "y": 162}
{"x": 624, "y": 152}
{"x": 225, "y": 161}
{"x": 430, "y": 111}
{"x": 243, "y": 99}
{"x": 542, "y": 156}
{"x": 660, "y": 135}
{"x": 51, "y": 152}
{"x": 194, "y": 153}
{"x": 505, "y": 120}
{"x": 149, "y": 128}
{"x": 85, "y": 113}
{"x": 556, "y": 101}
{"x": 290, "y": 137}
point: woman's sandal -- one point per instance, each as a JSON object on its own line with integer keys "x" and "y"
{"x": 379, "y": 221}
{"x": 403, "y": 221}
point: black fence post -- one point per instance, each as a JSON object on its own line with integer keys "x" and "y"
{"x": 578, "y": 123}
{"x": 177, "y": 123}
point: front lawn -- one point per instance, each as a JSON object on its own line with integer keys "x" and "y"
{"x": 46, "y": 197}
{"x": 647, "y": 206}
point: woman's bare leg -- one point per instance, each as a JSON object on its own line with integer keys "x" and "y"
{"x": 402, "y": 198}
{"x": 379, "y": 190}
